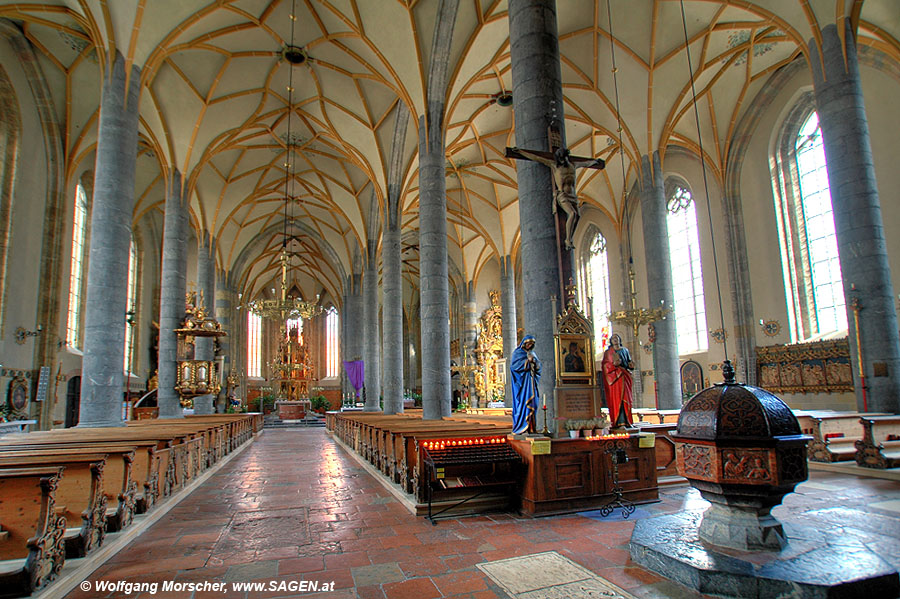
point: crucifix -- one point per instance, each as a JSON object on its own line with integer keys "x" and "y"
{"x": 563, "y": 166}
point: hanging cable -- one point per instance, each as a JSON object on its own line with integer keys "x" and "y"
{"x": 288, "y": 165}
{"x": 712, "y": 235}
{"x": 615, "y": 72}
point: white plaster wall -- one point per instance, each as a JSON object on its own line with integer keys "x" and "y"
{"x": 29, "y": 196}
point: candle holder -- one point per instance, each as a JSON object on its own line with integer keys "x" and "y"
{"x": 545, "y": 431}
{"x": 636, "y": 317}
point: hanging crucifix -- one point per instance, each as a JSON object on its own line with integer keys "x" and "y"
{"x": 563, "y": 166}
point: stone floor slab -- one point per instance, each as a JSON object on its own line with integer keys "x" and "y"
{"x": 548, "y": 575}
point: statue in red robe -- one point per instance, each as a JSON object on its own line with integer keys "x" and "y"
{"x": 616, "y": 367}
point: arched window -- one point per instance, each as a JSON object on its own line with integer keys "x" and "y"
{"x": 818, "y": 220}
{"x": 595, "y": 288}
{"x": 332, "y": 332}
{"x": 687, "y": 275}
{"x": 295, "y": 323}
{"x": 254, "y": 345}
{"x": 131, "y": 307}
{"x": 809, "y": 252}
{"x": 10, "y": 127}
{"x": 77, "y": 270}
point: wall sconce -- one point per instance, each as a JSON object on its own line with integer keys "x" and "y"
{"x": 22, "y": 334}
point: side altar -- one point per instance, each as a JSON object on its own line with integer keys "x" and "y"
{"x": 603, "y": 471}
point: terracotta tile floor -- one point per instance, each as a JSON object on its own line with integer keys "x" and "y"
{"x": 294, "y": 506}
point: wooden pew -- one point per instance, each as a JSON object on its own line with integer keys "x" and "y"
{"x": 32, "y": 550}
{"x": 79, "y": 494}
{"x": 178, "y": 447}
{"x": 835, "y": 436}
{"x": 880, "y": 443}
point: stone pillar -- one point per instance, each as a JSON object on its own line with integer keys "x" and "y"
{"x": 857, "y": 219}
{"x": 345, "y": 381}
{"x": 171, "y": 296}
{"x": 224, "y": 312}
{"x": 206, "y": 283}
{"x": 470, "y": 338}
{"x": 415, "y": 336}
{"x": 111, "y": 214}
{"x": 433, "y": 281}
{"x": 372, "y": 347}
{"x": 537, "y": 87}
{"x": 659, "y": 283}
{"x": 353, "y": 316}
{"x": 393, "y": 316}
{"x": 508, "y": 305}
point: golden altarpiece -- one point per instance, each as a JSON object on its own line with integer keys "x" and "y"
{"x": 292, "y": 369}
{"x": 490, "y": 375}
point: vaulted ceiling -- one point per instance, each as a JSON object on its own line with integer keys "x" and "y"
{"x": 215, "y": 105}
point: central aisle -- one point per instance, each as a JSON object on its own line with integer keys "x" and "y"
{"x": 294, "y": 506}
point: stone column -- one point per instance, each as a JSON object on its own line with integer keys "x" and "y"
{"x": 345, "y": 381}
{"x": 372, "y": 347}
{"x": 433, "y": 267}
{"x": 508, "y": 305}
{"x": 353, "y": 314}
{"x": 470, "y": 337}
{"x": 857, "y": 219}
{"x": 171, "y": 296}
{"x": 224, "y": 312}
{"x": 206, "y": 283}
{"x": 659, "y": 282}
{"x": 393, "y": 315}
{"x": 537, "y": 87}
{"x": 111, "y": 214}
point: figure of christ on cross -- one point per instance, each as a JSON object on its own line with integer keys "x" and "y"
{"x": 563, "y": 166}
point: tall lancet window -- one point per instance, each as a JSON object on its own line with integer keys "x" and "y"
{"x": 821, "y": 243}
{"x": 687, "y": 275}
{"x": 595, "y": 287}
{"x": 332, "y": 348}
{"x": 131, "y": 308}
{"x": 295, "y": 323}
{"x": 254, "y": 345}
{"x": 814, "y": 291}
{"x": 77, "y": 269}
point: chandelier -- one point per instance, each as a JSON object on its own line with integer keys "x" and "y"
{"x": 287, "y": 308}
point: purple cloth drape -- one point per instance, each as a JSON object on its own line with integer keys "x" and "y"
{"x": 356, "y": 372}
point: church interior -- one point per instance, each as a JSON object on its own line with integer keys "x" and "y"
{"x": 449, "y": 298}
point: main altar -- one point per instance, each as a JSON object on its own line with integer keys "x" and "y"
{"x": 293, "y": 373}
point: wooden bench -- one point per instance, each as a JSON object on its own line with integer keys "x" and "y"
{"x": 79, "y": 494}
{"x": 179, "y": 449}
{"x": 880, "y": 443}
{"x": 32, "y": 550}
{"x": 834, "y": 437}
{"x": 144, "y": 467}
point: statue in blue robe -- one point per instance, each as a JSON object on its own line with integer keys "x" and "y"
{"x": 525, "y": 370}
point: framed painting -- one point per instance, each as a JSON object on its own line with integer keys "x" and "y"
{"x": 574, "y": 356}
